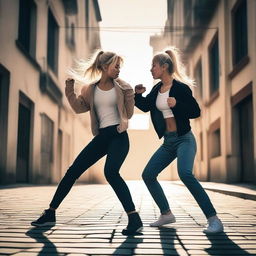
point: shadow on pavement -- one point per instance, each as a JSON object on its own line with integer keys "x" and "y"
{"x": 167, "y": 237}
{"x": 129, "y": 244}
{"x": 38, "y": 234}
{"x": 224, "y": 246}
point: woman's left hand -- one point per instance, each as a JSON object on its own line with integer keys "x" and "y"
{"x": 171, "y": 101}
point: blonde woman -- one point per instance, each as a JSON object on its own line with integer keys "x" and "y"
{"x": 111, "y": 103}
{"x": 171, "y": 105}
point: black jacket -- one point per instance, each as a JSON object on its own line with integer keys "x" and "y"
{"x": 186, "y": 107}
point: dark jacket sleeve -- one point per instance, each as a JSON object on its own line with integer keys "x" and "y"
{"x": 186, "y": 104}
{"x": 141, "y": 102}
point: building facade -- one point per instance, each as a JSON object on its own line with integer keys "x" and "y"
{"x": 40, "y": 134}
{"x": 218, "y": 39}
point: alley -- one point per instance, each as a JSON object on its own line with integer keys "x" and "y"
{"x": 90, "y": 220}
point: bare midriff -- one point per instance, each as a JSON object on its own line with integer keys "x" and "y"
{"x": 171, "y": 124}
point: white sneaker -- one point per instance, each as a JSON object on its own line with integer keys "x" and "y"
{"x": 214, "y": 226}
{"x": 163, "y": 219}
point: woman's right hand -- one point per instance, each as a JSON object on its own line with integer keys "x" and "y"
{"x": 139, "y": 89}
{"x": 70, "y": 82}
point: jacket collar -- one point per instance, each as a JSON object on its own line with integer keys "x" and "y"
{"x": 159, "y": 84}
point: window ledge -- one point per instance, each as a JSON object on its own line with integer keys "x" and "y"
{"x": 213, "y": 97}
{"x": 49, "y": 85}
{"x": 239, "y": 66}
{"x": 215, "y": 157}
{"x": 27, "y": 55}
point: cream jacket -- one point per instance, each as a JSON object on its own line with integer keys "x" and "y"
{"x": 85, "y": 102}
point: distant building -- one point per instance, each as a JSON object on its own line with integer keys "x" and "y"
{"x": 39, "y": 133}
{"x": 218, "y": 38}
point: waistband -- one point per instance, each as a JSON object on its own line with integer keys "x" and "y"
{"x": 170, "y": 134}
{"x": 175, "y": 134}
{"x": 108, "y": 127}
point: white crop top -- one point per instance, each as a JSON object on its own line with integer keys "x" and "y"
{"x": 162, "y": 105}
{"x": 105, "y": 103}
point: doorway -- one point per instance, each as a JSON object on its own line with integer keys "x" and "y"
{"x": 24, "y": 139}
{"x": 245, "y": 113}
{"x": 4, "y": 99}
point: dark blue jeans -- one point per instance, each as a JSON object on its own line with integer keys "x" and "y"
{"x": 184, "y": 148}
{"x": 108, "y": 142}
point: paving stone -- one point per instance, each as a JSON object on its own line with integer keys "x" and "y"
{"x": 8, "y": 251}
{"x": 221, "y": 252}
{"x": 76, "y": 254}
{"x": 36, "y": 254}
{"x": 95, "y": 251}
{"x": 91, "y": 224}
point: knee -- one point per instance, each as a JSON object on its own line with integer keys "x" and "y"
{"x": 148, "y": 177}
{"x": 111, "y": 175}
{"x": 186, "y": 177}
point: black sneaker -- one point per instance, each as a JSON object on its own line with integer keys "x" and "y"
{"x": 134, "y": 225}
{"x": 46, "y": 219}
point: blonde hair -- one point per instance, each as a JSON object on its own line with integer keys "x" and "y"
{"x": 171, "y": 56}
{"x": 86, "y": 71}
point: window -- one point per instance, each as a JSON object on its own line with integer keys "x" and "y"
{"x": 72, "y": 37}
{"x": 198, "y": 78}
{"x": 4, "y": 100}
{"x": 187, "y": 9}
{"x": 53, "y": 43}
{"x": 239, "y": 18}
{"x": 87, "y": 12}
{"x": 47, "y": 137}
{"x": 27, "y": 26}
{"x": 47, "y": 129}
{"x": 70, "y": 32}
{"x": 214, "y": 65}
{"x": 215, "y": 145}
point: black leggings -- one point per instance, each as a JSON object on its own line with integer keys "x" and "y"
{"x": 108, "y": 142}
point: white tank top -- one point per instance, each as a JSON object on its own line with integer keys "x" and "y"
{"x": 162, "y": 105}
{"x": 105, "y": 103}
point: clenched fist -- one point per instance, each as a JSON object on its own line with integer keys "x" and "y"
{"x": 139, "y": 89}
{"x": 171, "y": 101}
{"x": 70, "y": 82}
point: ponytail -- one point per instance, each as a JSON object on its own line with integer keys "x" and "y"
{"x": 171, "y": 56}
{"x": 94, "y": 68}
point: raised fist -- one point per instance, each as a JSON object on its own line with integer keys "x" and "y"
{"x": 171, "y": 101}
{"x": 70, "y": 82}
{"x": 140, "y": 89}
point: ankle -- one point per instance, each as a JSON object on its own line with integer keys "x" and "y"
{"x": 213, "y": 218}
{"x": 169, "y": 212}
{"x": 51, "y": 209}
{"x": 132, "y": 212}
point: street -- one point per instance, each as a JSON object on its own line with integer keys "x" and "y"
{"x": 90, "y": 220}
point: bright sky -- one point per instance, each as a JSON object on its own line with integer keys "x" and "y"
{"x": 126, "y": 28}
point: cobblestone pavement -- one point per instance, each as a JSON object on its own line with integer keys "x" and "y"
{"x": 90, "y": 220}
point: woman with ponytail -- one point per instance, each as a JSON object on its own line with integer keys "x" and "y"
{"x": 171, "y": 105}
{"x": 111, "y": 103}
